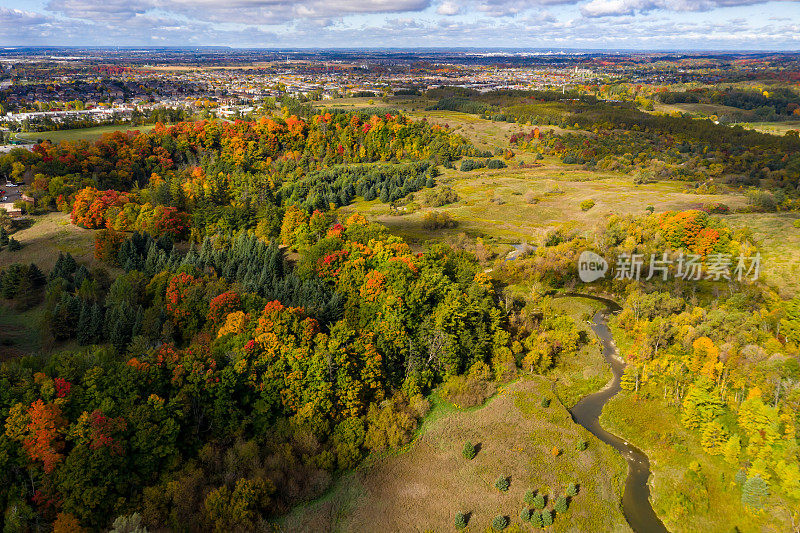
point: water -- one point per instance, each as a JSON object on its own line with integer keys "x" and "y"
{"x": 636, "y": 498}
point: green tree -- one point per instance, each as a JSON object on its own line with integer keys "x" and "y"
{"x": 499, "y": 523}
{"x": 755, "y": 492}
{"x": 468, "y": 451}
{"x": 561, "y": 505}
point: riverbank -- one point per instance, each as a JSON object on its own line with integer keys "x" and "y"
{"x": 636, "y": 497}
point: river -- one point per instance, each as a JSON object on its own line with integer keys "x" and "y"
{"x": 636, "y": 498}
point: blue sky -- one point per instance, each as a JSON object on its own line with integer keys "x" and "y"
{"x": 604, "y": 24}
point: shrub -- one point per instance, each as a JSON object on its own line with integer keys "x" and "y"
{"x": 561, "y": 505}
{"x": 547, "y": 518}
{"x": 525, "y": 514}
{"x": 499, "y": 523}
{"x": 572, "y": 489}
{"x": 494, "y": 164}
{"x": 587, "y": 204}
{"x": 468, "y": 451}
{"x": 761, "y": 200}
{"x": 440, "y": 197}
{"x": 582, "y": 445}
{"x": 716, "y": 208}
{"x": 556, "y": 451}
{"x": 545, "y": 402}
{"x": 436, "y": 220}
{"x": 502, "y": 483}
{"x": 461, "y": 520}
{"x": 470, "y": 389}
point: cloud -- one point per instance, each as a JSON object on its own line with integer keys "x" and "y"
{"x": 402, "y": 23}
{"x": 448, "y": 9}
{"x": 233, "y": 11}
{"x": 605, "y": 8}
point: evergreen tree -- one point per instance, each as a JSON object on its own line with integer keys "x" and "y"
{"x": 547, "y": 518}
{"x": 755, "y": 492}
{"x": 84, "y": 332}
{"x": 536, "y": 519}
{"x": 469, "y": 450}
{"x": 97, "y": 325}
{"x": 538, "y": 502}
{"x": 3, "y": 236}
{"x": 561, "y": 505}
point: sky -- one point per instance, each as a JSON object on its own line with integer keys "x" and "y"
{"x": 550, "y": 24}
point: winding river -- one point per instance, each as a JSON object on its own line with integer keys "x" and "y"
{"x": 636, "y": 498}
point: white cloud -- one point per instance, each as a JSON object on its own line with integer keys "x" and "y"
{"x": 448, "y": 9}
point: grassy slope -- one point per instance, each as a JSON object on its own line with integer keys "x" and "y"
{"x": 50, "y": 234}
{"x": 424, "y": 486}
{"x": 492, "y": 202}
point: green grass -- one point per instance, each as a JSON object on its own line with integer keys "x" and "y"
{"x": 423, "y": 487}
{"x": 80, "y": 134}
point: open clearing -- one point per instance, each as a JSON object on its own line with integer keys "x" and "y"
{"x": 493, "y": 202}
{"x": 422, "y": 487}
{"x": 50, "y": 234}
{"x": 80, "y": 134}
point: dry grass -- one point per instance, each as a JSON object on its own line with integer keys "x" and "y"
{"x": 423, "y": 487}
{"x": 50, "y": 234}
{"x": 494, "y": 203}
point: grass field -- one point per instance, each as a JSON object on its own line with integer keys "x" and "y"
{"x": 774, "y": 128}
{"x": 421, "y": 488}
{"x": 493, "y": 202}
{"x": 779, "y": 241}
{"x": 50, "y": 234}
{"x": 80, "y": 134}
